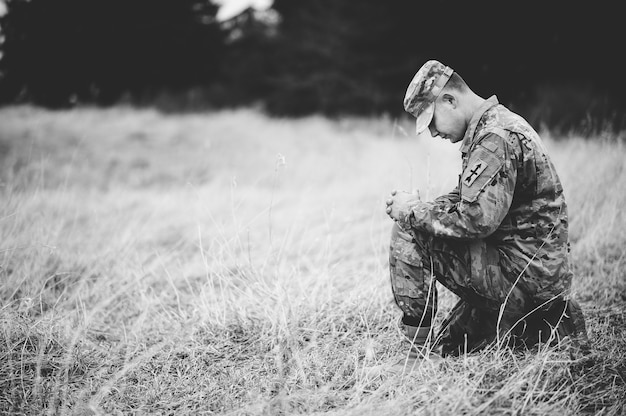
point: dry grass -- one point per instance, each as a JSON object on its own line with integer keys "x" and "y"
{"x": 227, "y": 263}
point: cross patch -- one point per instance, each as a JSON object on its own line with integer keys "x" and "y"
{"x": 474, "y": 172}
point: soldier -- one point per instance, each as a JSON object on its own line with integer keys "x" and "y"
{"x": 499, "y": 240}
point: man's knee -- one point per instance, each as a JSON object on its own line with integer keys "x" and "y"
{"x": 405, "y": 247}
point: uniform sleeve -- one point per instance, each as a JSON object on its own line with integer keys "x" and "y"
{"x": 485, "y": 190}
{"x": 450, "y": 198}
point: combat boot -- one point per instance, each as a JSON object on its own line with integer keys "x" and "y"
{"x": 421, "y": 347}
{"x": 419, "y": 342}
{"x": 561, "y": 323}
{"x": 571, "y": 324}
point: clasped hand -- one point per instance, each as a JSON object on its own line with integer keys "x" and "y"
{"x": 400, "y": 203}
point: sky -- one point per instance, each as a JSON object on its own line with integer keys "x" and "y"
{"x": 230, "y": 8}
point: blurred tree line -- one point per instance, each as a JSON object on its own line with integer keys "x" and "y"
{"x": 557, "y": 63}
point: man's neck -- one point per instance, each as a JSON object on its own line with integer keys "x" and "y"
{"x": 474, "y": 102}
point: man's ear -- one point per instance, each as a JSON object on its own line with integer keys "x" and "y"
{"x": 450, "y": 100}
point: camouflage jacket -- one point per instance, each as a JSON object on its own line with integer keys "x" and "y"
{"x": 510, "y": 195}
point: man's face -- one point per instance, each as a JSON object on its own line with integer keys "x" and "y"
{"x": 447, "y": 121}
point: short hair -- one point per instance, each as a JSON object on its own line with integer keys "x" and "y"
{"x": 456, "y": 83}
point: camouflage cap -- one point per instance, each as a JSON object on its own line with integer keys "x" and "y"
{"x": 424, "y": 90}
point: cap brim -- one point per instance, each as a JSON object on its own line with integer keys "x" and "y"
{"x": 423, "y": 120}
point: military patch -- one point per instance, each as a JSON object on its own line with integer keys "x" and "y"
{"x": 481, "y": 168}
{"x": 474, "y": 172}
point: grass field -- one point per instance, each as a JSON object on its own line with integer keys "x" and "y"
{"x": 228, "y": 263}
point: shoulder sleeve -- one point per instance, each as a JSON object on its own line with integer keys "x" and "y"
{"x": 486, "y": 160}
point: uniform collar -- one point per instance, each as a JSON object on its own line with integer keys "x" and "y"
{"x": 471, "y": 128}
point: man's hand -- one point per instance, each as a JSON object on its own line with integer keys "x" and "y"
{"x": 400, "y": 203}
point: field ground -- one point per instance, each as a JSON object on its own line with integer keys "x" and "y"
{"x": 228, "y": 263}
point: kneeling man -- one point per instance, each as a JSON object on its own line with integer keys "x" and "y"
{"x": 499, "y": 240}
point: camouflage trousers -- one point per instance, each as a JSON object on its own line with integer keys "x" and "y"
{"x": 491, "y": 306}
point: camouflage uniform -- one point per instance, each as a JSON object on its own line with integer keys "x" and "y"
{"x": 499, "y": 240}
